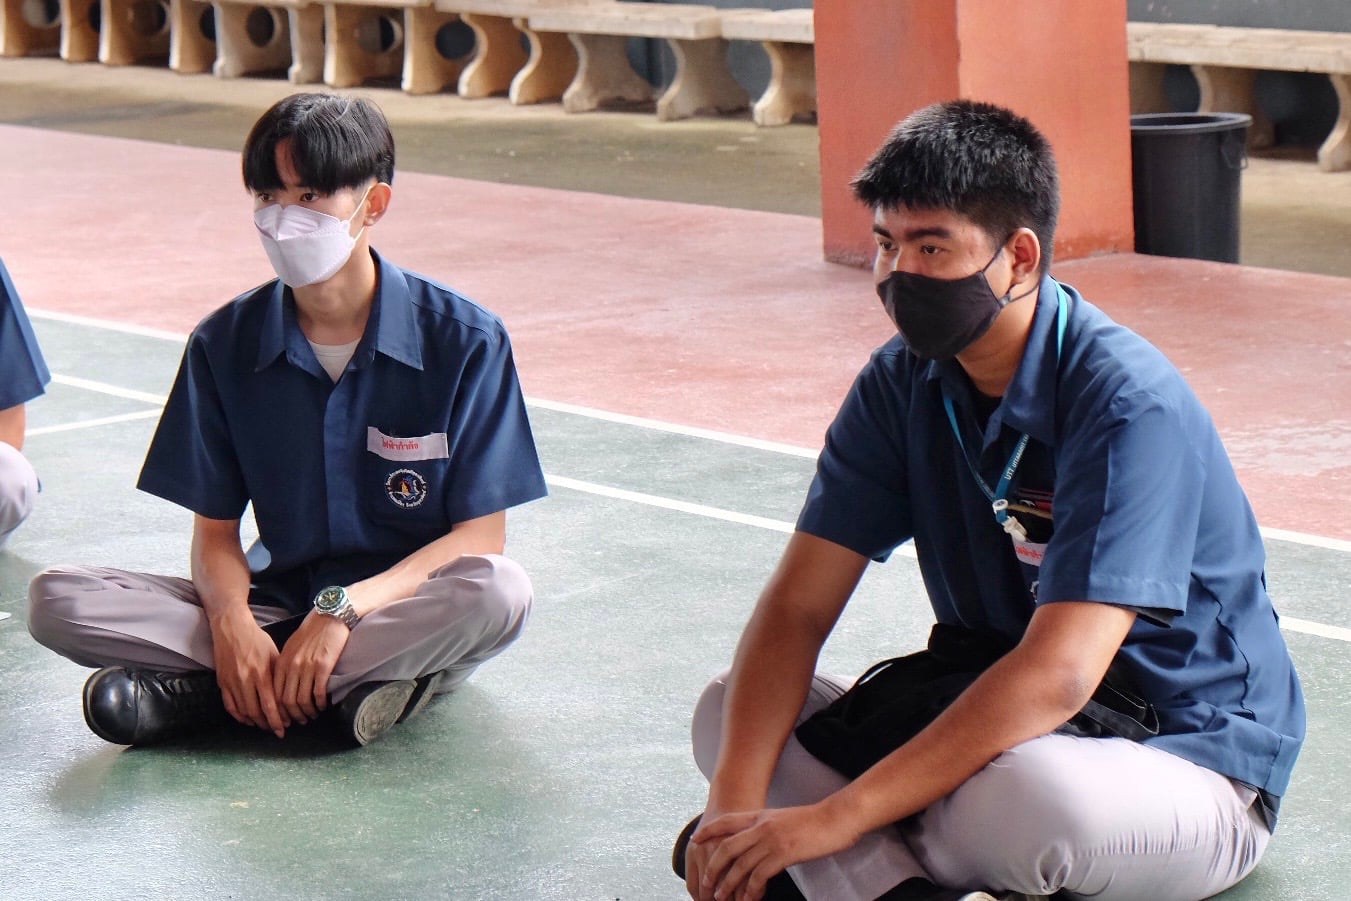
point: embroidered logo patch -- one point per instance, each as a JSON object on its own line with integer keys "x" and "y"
{"x": 406, "y": 488}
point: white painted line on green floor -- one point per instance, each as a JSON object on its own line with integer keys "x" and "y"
{"x": 107, "y": 325}
{"x": 1289, "y": 623}
{"x": 657, "y": 425}
{"x": 1330, "y": 544}
{"x": 112, "y": 390}
{"x": 1294, "y": 624}
{"x": 92, "y": 423}
{"x": 1304, "y": 538}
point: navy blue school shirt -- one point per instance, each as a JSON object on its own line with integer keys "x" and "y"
{"x": 23, "y": 372}
{"x": 1128, "y": 497}
{"x": 426, "y": 428}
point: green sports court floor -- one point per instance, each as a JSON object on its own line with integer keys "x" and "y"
{"x": 682, "y": 362}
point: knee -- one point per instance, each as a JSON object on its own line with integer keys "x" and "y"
{"x": 490, "y": 586}
{"x": 18, "y": 487}
{"x": 706, "y": 725}
{"x": 968, "y": 830}
{"x": 53, "y": 601}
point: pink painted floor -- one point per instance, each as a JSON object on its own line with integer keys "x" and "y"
{"x": 704, "y": 316}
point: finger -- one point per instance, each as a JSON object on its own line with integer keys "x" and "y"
{"x": 723, "y": 826}
{"x": 303, "y": 700}
{"x": 320, "y": 694}
{"x": 272, "y": 716}
{"x": 737, "y": 875}
{"x": 288, "y": 699}
{"x": 248, "y": 704}
{"x": 720, "y": 857}
{"x": 753, "y": 889}
{"x": 231, "y": 705}
{"x": 694, "y": 868}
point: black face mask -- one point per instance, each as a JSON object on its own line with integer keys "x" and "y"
{"x": 941, "y": 317}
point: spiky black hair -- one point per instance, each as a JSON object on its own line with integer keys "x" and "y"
{"x": 976, "y": 159}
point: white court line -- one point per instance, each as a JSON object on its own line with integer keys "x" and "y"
{"x": 1288, "y": 623}
{"x": 1304, "y": 538}
{"x": 1331, "y": 544}
{"x": 105, "y": 388}
{"x": 107, "y": 325}
{"x": 657, "y": 425}
{"x": 1293, "y": 624}
{"x": 92, "y": 423}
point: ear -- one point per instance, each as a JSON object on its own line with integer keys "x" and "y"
{"x": 1026, "y": 250}
{"x": 377, "y": 202}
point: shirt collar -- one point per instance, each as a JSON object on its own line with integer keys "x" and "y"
{"x": 1029, "y": 403}
{"x": 391, "y": 330}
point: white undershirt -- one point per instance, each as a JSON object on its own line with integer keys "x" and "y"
{"x": 335, "y": 357}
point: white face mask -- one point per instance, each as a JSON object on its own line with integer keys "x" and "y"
{"x": 306, "y": 246}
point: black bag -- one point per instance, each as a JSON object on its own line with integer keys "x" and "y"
{"x": 895, "y": 699}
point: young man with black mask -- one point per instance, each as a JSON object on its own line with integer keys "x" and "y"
{"x": 1072, "y": 507}
{"x": 373, "y": 420}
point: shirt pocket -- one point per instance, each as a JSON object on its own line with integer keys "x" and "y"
{"x": 404, "y": 479}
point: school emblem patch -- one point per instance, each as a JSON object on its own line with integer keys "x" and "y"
{"x": 406, "y": 488}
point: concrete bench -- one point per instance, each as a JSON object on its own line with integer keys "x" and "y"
{"x": 133, "y": 31}
{"x": 500, "y": 64}
{"x": 1226, "y": 60}
{"x": 703, "y": 82}
{"x": 80, "y": 30}
{"x": 270, "y": 35}
{"x": 385, "y": 38}
{"x": 363, "y": 42}
{"x": 788, "y": 36}
{"x": 26, "y": 29}
{"x": 192, "y": 36}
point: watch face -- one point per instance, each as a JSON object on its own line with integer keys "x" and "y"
{"x": 330, "y": 599}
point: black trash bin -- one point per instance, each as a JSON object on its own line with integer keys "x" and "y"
{"x": 1186, "y": 169}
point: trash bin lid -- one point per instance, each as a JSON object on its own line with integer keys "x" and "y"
{"x": 1188, "y": 123}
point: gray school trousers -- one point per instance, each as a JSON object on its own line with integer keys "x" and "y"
{"x": 466, "y": 612}
{"x": 1101, "y": 818}
{"x": 18, "y": 490}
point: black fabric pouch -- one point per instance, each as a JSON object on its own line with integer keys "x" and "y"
{"x": 895, "y": 699}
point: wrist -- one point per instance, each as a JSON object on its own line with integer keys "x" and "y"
{"x": 842, "y": 814}
{"x": 335, "y": 603}
{"x": 229, "y": 617}
{"x": 731, "y": 800}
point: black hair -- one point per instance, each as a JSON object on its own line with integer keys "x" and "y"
{"x": 976, "y": 159}
{"x": 336, "y": 142}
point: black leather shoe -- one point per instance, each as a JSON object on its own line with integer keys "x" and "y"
{"x": 373, "y": 707}
{"x": 921, "y": 889}
{"x": 140, "y": 707}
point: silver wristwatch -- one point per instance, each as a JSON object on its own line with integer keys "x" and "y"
{"x": 333, "y": 601}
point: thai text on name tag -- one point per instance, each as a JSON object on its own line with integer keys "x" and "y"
{"x": 426, "y": 447}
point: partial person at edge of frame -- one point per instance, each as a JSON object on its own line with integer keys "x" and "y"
{"x": 1107, "y": 707}
{"x": 374, "y": 421}
{"x": 23, "y": 377}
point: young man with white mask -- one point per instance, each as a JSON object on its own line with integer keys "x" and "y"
{"x": 374, "y": 420}
{"x": 1107, "y": 708}
{"x": 23, "y": 376}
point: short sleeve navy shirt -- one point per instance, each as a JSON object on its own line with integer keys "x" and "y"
{"x": 426, "y": 428}
{"x": 23, "y": 372}
{"x": 1129, "y": 499}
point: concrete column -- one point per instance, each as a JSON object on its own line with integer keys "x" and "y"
{"x": 1060, "y": 63}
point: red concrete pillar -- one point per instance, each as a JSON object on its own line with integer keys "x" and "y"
{"x": 1060, "y": 63}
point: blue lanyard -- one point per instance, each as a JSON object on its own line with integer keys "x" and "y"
{"x": 999, "y": 496}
